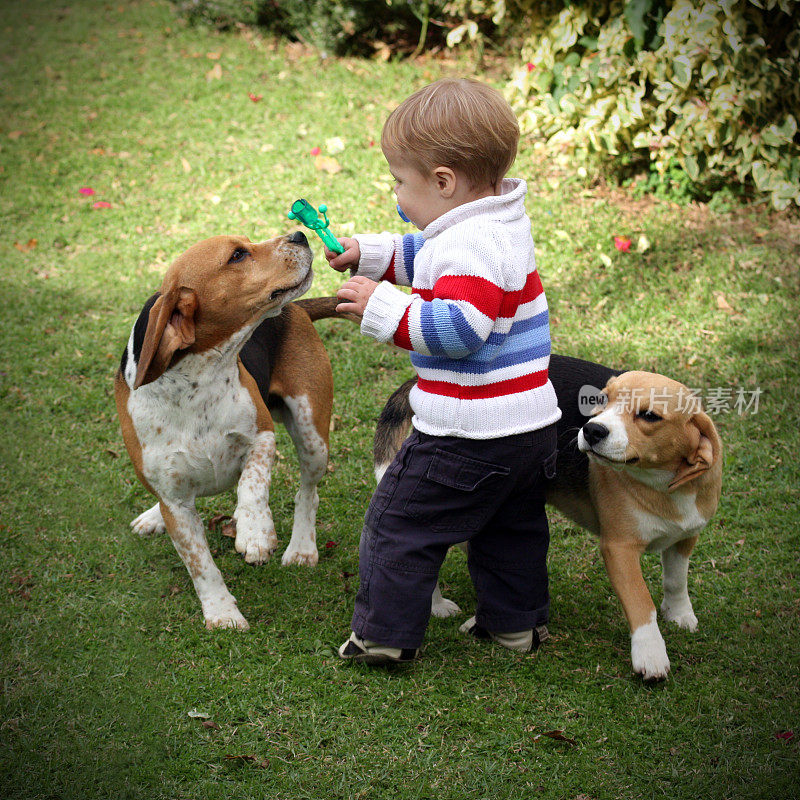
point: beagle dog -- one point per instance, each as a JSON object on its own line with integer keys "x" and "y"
{"x": 214, "y": 357}
{"x": 639, "y": 464}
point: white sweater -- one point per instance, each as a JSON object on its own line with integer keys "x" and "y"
{"x": 477, "y": 323}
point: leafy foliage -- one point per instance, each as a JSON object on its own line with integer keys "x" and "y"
{"x": 334, "y": 26}
{"x": 712, "y": 87}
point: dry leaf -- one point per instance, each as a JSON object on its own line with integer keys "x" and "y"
{"x": 207, "y": 723}
{"x": 557, "y": 735}
{"x": 723, "y": 304}
{"x": 225, "y": 523}
{"x": 29, "y": 245}
{"x": 15, "y": 134}
{"x": 187, "y": 167}
{"x": 215, "y": 73}
{"x": 327, "y": 164}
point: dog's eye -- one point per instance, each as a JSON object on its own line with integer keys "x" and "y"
{"x": 239, "y": 254}
{"x": 649, "y": 416}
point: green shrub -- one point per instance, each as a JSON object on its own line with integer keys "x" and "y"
{"x": 712, "y": 87}
{"x": 333, "y": 26}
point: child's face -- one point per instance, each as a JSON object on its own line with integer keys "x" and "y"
{"x": 419, "y": 194}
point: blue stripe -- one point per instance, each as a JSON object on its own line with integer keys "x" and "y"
{"x": 498, "y": 345}
{"x": 539, "y": 321}
{"x": 446, "y": 330}
{"x": 473, "y": 366}
{"x": 411, "y": 244}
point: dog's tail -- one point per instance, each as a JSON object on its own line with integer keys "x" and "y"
{"x": 324, "y": 308}
{"x": 393, "y": 426}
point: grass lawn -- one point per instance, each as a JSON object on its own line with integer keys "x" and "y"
{"x": 112, "y": 688}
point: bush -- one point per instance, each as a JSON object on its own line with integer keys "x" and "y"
{"x": 333, "y": 26}
{"x": 709, "y": 87}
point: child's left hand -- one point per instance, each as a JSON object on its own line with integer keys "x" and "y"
{"x": 355, "y": 294}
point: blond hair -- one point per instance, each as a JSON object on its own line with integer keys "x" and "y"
{"x": 458, "y": 123}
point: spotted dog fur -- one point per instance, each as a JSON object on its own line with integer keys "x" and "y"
{"x": 213, "y": 359}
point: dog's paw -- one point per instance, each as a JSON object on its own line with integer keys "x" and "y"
{"x": 224, "y": 616}
{"x": 149, "y": 522}
{"x": 255, "y": 536}
{"x": 304, "y": 557}
{"x": 649, "y": 653}
{"x": 443, "y": 608}
{"x": 681, "y": 614}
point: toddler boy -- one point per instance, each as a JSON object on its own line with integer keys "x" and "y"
{"x": 477, "y": 328}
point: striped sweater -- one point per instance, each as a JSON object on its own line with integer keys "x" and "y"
{"x": 476, "y": 323}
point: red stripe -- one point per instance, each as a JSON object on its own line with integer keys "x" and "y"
{"x": 512, "y": 300}
{"x": 402, "y": 337}
{"x": 484, "y": 295}
{"x": 499, "y": 389}
{"x": 425, "y": 294}
{"x": 389, "y": 275}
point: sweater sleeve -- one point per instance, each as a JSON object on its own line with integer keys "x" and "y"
{"x": 389, "y": 257}
{"x": 455, "y": 318}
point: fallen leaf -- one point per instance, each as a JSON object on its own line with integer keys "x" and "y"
{"x": 14, "y": 135}
{"x": 215, "y": 73}
{"x": 334, "y": 145}
{"x": 723, "y": 304}
{"x": 643, "y": 245}
{"x": 86, "y": 190}
{"x": 29, "y": 245}
{"x": 187, "y": 167}
{"x": 195, "y": 714}
{"x": 207, "y": 723}
{"x": 622, "y": 243}
{"x": 101, "y": 204}
{"x": 327, "y": 164}
{"x": 786, "y": 735}
{"x": 225, "y": 523}
{"x": 330, "y": 545}
{"x": 214, "y": 56}
{"x": 255, "y": 97}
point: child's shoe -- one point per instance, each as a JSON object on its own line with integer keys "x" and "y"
{"x": 366, "y": 652}
{"x": 523, "y": 641}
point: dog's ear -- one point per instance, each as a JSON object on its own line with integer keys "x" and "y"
{"x": 705, "y": 449}
{"x": 170, "y": 327}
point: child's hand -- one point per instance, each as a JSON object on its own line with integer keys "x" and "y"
{"x": 355, "y": 294}
{"x": 342, "y": 261}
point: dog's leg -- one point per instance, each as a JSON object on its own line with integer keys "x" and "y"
{"x": 648, "y": 651}
{"x": 676, "y": 606}
{"x": 186, "y": 531}
{"x": 442, "y": 607}
{"x": 255, "y": 531}
{"x": 312, "y": 453}
{"x": 149, "y": 521}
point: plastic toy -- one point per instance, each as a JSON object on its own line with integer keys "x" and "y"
{"x": 304, "y": 212}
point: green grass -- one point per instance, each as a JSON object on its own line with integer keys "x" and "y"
{"x": 102, "y": 645}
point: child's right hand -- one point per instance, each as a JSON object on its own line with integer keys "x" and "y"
{"x": 342, "y": 261}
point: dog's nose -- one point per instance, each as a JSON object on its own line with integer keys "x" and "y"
{"x": 594, "y": 432}
{"x": 298, "y": 237}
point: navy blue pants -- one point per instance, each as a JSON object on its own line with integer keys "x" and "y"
{"x": 441, "y": 490}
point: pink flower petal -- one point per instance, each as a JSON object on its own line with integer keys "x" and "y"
{"x": 86, "y": 190}
{"x": 330, "y": 545}
{"x": 788, "y": 735}
{"x": 530, "y": 67}
{"x": 622, "y": 243}
{"x": 315, "y": 151}
{"x": 101, "y": 204}
{"x": 254, "y": 97}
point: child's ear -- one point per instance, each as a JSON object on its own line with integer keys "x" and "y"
{"x": 445, "y": 181}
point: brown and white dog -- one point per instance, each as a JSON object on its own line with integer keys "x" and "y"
{"x": 213, "y": 358}
{"x": 643, "y": 473}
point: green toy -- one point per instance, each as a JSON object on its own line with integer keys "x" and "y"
{"x": 304, "y": 212}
